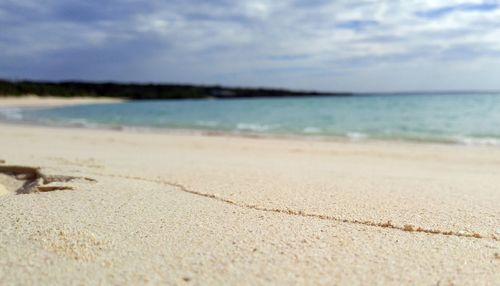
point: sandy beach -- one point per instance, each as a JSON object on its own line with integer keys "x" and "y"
{"x": 115, "y": 207}
{"x": 50, "y": 101}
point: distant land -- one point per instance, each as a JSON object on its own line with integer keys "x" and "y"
{"x": 137, "y": 91}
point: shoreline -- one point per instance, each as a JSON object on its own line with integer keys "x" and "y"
{"x": 32, "y": 102}
{"x": 465, "y": 142}
{"x": 11, "y": 107}
{"x": 246, "y": 134}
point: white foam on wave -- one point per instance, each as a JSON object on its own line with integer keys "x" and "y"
{"x": 11, "y": 113}
{"x": 356, "y": 136}
{"x": 311, "y": 130}
{"x": 253, "y": 127}
{"x": 483, "y": 141}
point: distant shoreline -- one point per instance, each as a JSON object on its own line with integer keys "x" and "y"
{"x": 34, "y": 101}
{"x": 137, "y": 91}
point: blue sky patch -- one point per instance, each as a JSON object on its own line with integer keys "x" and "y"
{"x": 467, "y": 7}
{"x": 357, "y": 25}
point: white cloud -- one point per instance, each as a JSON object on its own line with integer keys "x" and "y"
{"x": 346, "y": 44}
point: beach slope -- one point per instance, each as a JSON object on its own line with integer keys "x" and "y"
{"x": 170, "y": 209}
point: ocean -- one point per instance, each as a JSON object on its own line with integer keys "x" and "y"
{"x": 462, "y": 118}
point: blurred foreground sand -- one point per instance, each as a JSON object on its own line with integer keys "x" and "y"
{"x": 193, "y": 209}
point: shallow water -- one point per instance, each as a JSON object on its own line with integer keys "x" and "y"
{"x": 467, "y": 118}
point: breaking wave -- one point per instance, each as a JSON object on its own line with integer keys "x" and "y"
{"x": 253, "y": 127}
{"x": 11, "y": 113}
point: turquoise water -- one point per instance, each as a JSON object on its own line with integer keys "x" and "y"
{"x": 462, "y": 118}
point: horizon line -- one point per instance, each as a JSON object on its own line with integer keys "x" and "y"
{"x": 223, "y": 86}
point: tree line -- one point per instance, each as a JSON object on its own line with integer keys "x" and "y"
{"x": 138, "y": 91}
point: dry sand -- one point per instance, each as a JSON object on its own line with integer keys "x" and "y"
{"x": 193, "y": 209}
{"x": 50, "y": 101}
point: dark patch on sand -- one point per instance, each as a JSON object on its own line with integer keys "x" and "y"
{"x": 36, "y": 180}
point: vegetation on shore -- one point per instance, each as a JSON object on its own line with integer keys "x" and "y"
{"x": 143, "y": 91}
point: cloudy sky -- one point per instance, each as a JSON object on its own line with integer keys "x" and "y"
{"x": 349, "y": 45}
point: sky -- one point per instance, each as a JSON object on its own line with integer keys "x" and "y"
{"x": 344, "y": 45}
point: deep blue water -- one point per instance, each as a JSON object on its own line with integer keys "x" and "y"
{"x": 462, "y": 118}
